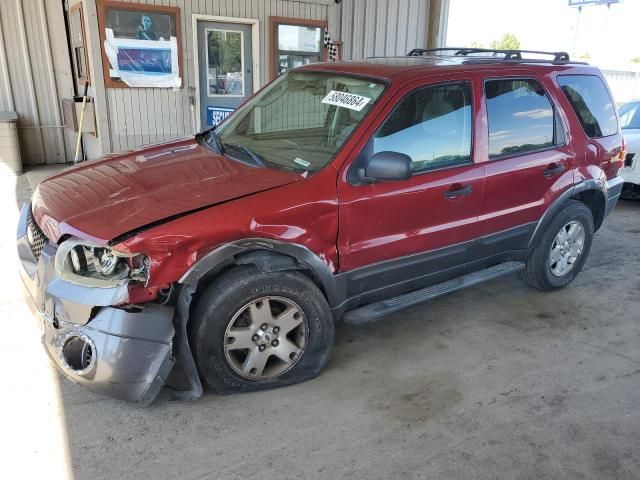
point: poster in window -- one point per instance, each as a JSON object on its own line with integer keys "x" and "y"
{"x": 141, "y": 44}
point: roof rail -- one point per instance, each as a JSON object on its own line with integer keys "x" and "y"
{"x": 507, "y": 54}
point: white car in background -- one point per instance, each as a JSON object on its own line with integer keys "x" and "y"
{"x": 630, "y": 122}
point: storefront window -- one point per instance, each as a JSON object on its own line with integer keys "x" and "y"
{"x": 296, "y": 43}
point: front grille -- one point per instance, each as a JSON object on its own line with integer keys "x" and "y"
{"x": 37, "y": 240}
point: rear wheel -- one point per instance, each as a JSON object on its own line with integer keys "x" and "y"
{"x": 562, "y": 250}
{"x": 253, "y": 330}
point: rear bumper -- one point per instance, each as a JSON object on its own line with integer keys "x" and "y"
{"x": 124, "y": 354}
{"x": 614, "y": 189}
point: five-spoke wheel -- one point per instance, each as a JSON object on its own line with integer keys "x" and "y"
{"x": 265, "y": 337}
{"x": 252, "y": 330}
{"x": 567, "y": 248}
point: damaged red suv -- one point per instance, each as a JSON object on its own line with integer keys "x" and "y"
{"x": 343, "y": 190}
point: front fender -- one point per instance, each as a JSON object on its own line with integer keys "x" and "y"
{"x": 288, "y": 256}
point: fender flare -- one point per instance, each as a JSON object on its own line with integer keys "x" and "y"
{"x": 558, "y": 204}
{"x": 269, "y": 256}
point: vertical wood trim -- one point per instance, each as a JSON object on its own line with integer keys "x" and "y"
{"x": 26, "y": 61}
{"x": 369, "y": 33}
{"x": 52, "y": 87}
{"x": 4, "y": 74}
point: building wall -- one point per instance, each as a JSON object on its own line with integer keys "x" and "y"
{"x": 624, "y": 84}
{"x": 35, "y": 68}
{"x": 34, "y": 75}
{"x": 372, "y": 28}
{"x": 383, "y": 27}
{"x": 138, "y": 116}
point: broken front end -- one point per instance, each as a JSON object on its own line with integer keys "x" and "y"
{"x": 80, "y": 291}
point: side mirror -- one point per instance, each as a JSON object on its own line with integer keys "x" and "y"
{"x": 388, "y": 166}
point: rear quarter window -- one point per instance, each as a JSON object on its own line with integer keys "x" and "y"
{"x": 590, "y": 100}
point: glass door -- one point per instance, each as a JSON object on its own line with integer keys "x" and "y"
{"x": 226, "y": 70}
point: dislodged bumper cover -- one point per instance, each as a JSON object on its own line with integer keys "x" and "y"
{"x": 121, "y": 361}
{"x": 125, "y": 354}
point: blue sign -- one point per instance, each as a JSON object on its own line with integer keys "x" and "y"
{"x": 584, "y": 3}
{"x": 215, "y": 115}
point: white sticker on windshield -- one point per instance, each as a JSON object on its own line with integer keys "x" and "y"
{"x": 302, "y": 162}
{"x": 346, "y": 100}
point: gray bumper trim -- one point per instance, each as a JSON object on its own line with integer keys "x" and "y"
{"x": 132, "y": 351}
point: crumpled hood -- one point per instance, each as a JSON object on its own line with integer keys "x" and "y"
{"x": 104, "y": 199}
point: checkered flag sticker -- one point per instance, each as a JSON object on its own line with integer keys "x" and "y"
{"x": 330, "y": 46}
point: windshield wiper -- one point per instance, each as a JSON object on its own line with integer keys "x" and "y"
{"x": 257, "y": 159}
{"x": 212, "y": 139}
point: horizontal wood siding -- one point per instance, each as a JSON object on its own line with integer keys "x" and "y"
{"x": 138, "y": 116}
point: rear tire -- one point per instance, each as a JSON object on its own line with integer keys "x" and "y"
{"x": 251, "y": 330}
{"x": 562, "y": 249}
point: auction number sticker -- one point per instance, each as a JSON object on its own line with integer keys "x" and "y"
{"x": 346, "y": 100}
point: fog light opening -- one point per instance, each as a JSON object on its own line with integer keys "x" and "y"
{"x": 78, "y": 354}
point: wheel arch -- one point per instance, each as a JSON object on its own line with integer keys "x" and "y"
{"x": 268, "y": 256}
{"x": 592, "y": 193}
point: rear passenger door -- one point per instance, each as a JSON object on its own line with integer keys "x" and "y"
{"x": 527, "y": 161}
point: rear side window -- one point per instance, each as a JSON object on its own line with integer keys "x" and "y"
{"x": 432, "y": 125}
{"x": 591, "y": 102}
{"x": 521, "y": 117}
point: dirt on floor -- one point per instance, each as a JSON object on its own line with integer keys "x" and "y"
{"x": 498, "y": 381}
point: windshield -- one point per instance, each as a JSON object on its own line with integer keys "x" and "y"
{"x": 300, "y": 121}
{"x": 630, "y": 115}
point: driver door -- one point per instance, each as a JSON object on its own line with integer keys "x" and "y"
{"x": 394, "y": 231}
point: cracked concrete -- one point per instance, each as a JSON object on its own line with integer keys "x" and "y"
{"x": 499, "y": 381}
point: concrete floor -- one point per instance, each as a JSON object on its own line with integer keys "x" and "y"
{"x": 499, "y": 381}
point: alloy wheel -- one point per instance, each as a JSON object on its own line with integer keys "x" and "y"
{"x": 567, "y": 247}
{"x": 265, "y": 338}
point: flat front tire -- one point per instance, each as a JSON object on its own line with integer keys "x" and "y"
{"x": 252, "y": 330}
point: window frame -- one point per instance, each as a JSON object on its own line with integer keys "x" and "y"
{"x": 274, "y": 51}
{"x": 573, "y": 109}
{"x": 557, "y": 119}
{"x": 423, "y": 170}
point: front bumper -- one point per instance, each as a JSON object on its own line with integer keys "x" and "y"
{"x": 124, "y": 354}
{"x": 614, "y": 189}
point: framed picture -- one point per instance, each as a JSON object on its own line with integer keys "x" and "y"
{"x": 141, "y": 44}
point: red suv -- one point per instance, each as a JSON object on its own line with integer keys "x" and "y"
{"x": 342, "y": 190}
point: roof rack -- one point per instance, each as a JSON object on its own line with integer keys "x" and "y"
{"x": 507, "y": 54}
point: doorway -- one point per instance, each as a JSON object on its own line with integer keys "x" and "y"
{"x": 226, "y": 68}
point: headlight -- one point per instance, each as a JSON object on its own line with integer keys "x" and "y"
{"x": 91, "y": 264}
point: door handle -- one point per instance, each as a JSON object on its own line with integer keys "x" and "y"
{"x": 458, "y": 191}
{"x": 553, "y": 169}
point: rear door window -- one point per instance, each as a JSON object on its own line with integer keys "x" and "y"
{"x": 521, "y": 117}
{"x": 432, "y": 125}
{"x": 591, "y": 102}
